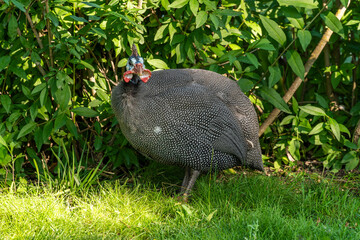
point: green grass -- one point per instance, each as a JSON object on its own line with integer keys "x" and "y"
{"x": 242, "y": 206}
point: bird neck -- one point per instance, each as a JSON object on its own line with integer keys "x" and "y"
{"x": 132, "y": 86}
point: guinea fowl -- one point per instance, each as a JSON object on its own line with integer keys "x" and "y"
{"x": 196, "y": 119}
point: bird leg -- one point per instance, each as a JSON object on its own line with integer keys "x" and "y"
{"x": 185, "y": 182}
{"x": 189, "y": 181}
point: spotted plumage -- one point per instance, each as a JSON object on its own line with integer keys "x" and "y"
{"x": 196, "y": 119}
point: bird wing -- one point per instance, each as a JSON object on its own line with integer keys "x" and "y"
{"x": 197, "y": 113}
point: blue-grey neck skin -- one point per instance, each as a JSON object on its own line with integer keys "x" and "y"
{"x": 132, "y": 61}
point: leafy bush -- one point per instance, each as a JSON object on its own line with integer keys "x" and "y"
{"x": 60, "y": 59}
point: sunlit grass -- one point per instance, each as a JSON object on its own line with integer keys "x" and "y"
{"x": 250, "y": 206}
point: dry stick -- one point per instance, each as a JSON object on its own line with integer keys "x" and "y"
{"x": 35, "y": 32}
{"x": 296, "y": 84}
{"x": 140, "y": 4}
{"x": 48, "y": 26}
{"x": 356, "y": 133}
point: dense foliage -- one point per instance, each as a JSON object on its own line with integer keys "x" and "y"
{"x": 59, "y": 60}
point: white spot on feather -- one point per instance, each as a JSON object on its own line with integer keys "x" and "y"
{"x": 157, "y": 130}
{"x": 250, "y": 143}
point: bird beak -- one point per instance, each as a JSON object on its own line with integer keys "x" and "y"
{"x": 144, "y": 74}
{"x": 138, "y": 69}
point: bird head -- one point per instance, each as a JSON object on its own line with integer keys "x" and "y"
{"x": 135, "y": 67}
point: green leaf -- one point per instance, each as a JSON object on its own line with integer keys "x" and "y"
{"x": 92, "y": 4}
{"x": 38, "y": 88}
{"x": 178, "y": 3}
{"x": 295, "y": 18}
{"x": 63, "y": 96}
{"x": 210, "y": 4}
{"x": 296, "y": 63}
{"x": 295, "y": 105}
{"x": 78, "y": 19}
{"x": 201, "y": 18}
{"x": 18, "y": 71}
{"x": 273, "y": 30}
{"x": 179, "y": 53}
{"x": 3, "y": 142}
{"x": 321, "y": 100}
{"x": 194, "y": 6}
{"x": 317, "y": 129}
{"x": 4, "y": 62}
{"x": 25, "y": 130}
{"x": 333, "y": 23}
{"x": 98, "y": 32}
{"x": 263, "y": 43}
{"x": 19, "y": 5}
{"x": 85, "y": 64}
{"x": 308, "y": 4}
{"x": 38, "y": 138}
{"x": 122, "y": 62}
{"x": 12, "y": 27}
{"x": 252, "y": 58}
{"x": 43, "y": 96}
{"x": 351, "y": 160}
{"x": 85, "y": 112}
{"x": 344, "y": 2}
{"x": 72, "y": 128}
{"x": 274, "y": 98}
{"x": 172, "y": 30}
{"x": 47, "y": 130}
{"x": 294, "y": 149}
{"x": 304, "y": 38}
{"x": 158, "y": 63}
{"x": 344, "y": 129}
{"x": 245, "y": 84}
{"x": 335, "y": 128}
{"x": 6, "y": 102}
{"x": 287, "y": 120}
{"x": 161, "y": 32}
{"x": 336, "y": 78}
{"x": 5, "y": 158}
{"x": 350, "y": 145}
{"x": 275, "y": 75}
{"x": 215, "y": 20}
{"x": 316, "y": 111}
{"x": 165, "y": 4}
{"x": 355, "y": 110}
{"x": 34, "y": 111}
{"x": 228, "y": 12}
{"x": 60, "y": 121}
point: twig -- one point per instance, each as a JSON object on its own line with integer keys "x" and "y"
{"x": 140, "y": 2}
{"x": 101, "y": 69}
{"x": 49, "y": 33}
{"x": 296, "y": 84}
{"x": 35, "y": 32}
{"x": 356, "y": 133}
{"x": 113, "y": 68}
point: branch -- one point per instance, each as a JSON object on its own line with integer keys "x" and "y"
{"x": 35, "y": 32}
{"x": 140, "y": 2}
{"x": 296, "y": 84}
{"x": 356, "y": 133}
{"x": 48, "y": 26}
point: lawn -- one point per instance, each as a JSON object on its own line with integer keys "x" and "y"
{"x": 245, "y": 205}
